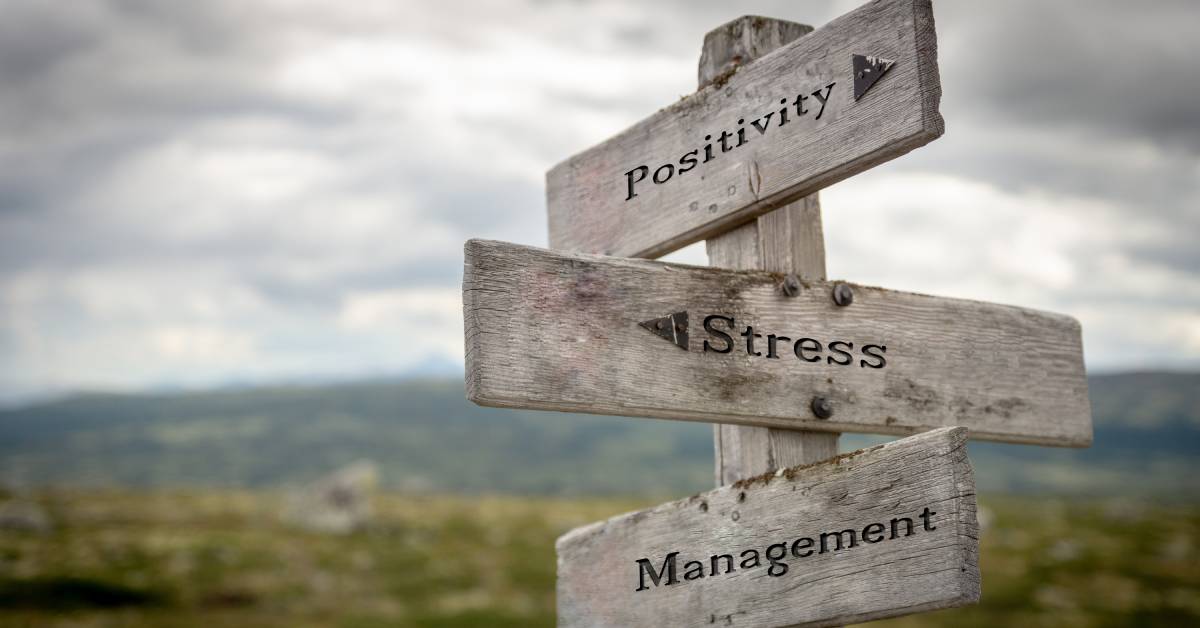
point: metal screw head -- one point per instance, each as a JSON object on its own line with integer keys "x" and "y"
{"x": 791, "y": 285}
{"x": 822, "y": 408}
{"x": 842, "y": 294}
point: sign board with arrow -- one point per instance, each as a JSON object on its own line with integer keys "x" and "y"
{"x": 585, "y": 333}
{"x": 876, "y": 533}
{"x": 860, "y": 91}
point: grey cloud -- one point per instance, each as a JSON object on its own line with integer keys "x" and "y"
{"x": 1164, "y": 196}
{"x": 1180, "y": 253}
{"x": 1111, "y": 68}
{"x": 130, "y": 66}
{"x": 35, "y": 37}
{"x": 326, "y": 294}
{"x": 1085, "y": 100}
{"x": 91, "y": 88}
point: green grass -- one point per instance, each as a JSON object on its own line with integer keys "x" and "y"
{"x": 209, "y": 558}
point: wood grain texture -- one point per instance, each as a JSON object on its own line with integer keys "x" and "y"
{"x": 742, "y": 40}
{"x": 556, "y": 331}
{"x": 786, "y": 239}
{"x": 586, "y": 195}
{"x": 599, "y": 576}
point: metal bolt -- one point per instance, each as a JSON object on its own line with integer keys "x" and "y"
{"x": 822, "y": 407}
{"x": 842, "y": 294}
{"x": 791, "y": 285}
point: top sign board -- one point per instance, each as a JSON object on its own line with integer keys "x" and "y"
{"x": 859, "y": 91}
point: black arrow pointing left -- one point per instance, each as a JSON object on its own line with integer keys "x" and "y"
{"x": 673, "y": 328}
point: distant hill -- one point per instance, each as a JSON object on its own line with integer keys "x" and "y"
{"x": 426, "y": 436}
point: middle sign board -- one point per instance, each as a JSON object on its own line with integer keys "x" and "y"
{"x": 585, "y": 333}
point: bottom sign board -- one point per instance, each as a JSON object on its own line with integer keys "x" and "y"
{"x": 879, "y": 532}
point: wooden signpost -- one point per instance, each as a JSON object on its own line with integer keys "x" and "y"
{"x": 778, "y": 358}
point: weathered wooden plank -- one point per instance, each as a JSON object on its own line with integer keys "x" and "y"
{"x": 788, "y": 144}
{"x": 788, "y": 239}
{"x": 556, "y": 331}
{"x": 903, "y": 514}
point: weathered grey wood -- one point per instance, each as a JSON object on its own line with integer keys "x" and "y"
{"x": 586, "y": 194}
{"x": 787, "y": 239}
{"x": 741, "y": 449}
{"x": 557, "y": 331}
{"x": 934, "y": 567}
{"x": 742, "y": 40}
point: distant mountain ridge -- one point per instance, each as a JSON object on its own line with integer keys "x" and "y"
{"x": 426, "y": 436}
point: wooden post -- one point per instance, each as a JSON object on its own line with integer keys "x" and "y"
{"x": 788, "y": 239}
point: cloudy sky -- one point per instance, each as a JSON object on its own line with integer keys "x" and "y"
{"x": 204, "y": 193}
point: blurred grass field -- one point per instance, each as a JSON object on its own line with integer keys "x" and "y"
{"x": 205, "y": 558}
